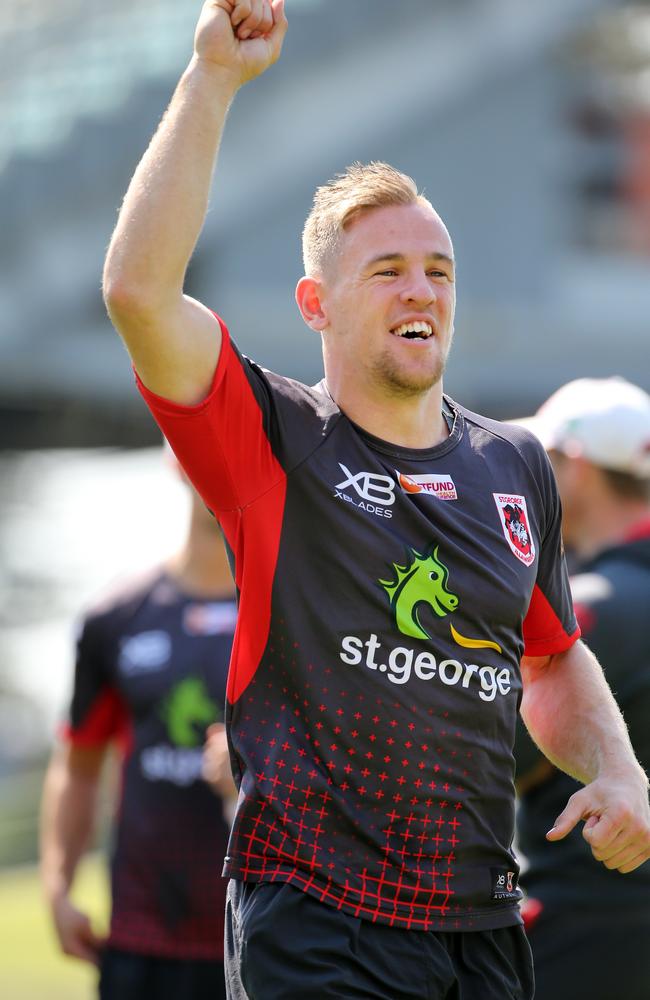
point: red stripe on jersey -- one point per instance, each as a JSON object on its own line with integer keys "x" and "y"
{"x": 227, "y": 455}
{"x": 256, "y": 559}
{"x": 107, "y": 719}
{"x": 220, "y": 442}
{"x": 255, "y": 546}
{"x": 543, "y": 631}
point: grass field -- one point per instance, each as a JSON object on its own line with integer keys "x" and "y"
{"x": 31, "y": 966}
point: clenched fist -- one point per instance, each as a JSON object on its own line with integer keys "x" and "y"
{"x": 240, "y": 37}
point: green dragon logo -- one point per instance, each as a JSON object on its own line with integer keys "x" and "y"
{"x": 187, "y": 711}
{"x": 422, "y": 581}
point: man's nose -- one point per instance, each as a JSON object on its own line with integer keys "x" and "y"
{"x": 418, "y": 288}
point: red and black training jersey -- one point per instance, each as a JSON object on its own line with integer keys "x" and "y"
{"x": 151, "y": 674}
{"x": 387, "y": 595}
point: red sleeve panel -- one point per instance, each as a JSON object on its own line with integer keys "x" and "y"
{"x": 223, "y": 444}
{"x": 550, "y": 625}
{"x": 98, "y": 713}
{"x": 544, "y": 633}
{"x": 256, "y": 554}
{"x": 106, "y": 719}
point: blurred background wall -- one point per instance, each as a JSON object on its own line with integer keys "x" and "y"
{"x": 528, "y": 126}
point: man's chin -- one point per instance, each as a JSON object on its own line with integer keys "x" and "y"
{"x": 402, "y": 382}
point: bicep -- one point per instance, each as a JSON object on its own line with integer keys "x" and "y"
{"x": 551, "y": 682}
{"x": 530, "y": 667}
{"x": 174, "y": 350}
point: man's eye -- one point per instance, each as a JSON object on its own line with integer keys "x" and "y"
{"x": 388, "y": 272}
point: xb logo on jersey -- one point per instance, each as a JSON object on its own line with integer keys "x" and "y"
{"x": 369, "y": 491}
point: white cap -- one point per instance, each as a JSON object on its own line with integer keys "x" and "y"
{"x": 605, "y": 420}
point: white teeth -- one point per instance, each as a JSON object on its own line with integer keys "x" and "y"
{"x": 419, "y": 327}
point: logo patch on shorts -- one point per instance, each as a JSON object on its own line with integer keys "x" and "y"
{"x": 504, "y": 883}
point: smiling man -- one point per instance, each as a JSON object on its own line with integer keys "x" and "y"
{"x": 392, "y": 272}
{"x": 401, "y": 581}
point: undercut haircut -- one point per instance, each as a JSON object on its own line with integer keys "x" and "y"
{"x": 361, "y": 187}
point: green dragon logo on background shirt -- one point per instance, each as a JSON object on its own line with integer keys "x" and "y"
{"x": 423, "y": 581}
{"x": 188, "y": 711}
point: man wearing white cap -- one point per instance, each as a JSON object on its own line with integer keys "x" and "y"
{"x": 588, "y": 927}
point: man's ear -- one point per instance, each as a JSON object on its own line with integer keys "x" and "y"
{"x": 308, "y": 297}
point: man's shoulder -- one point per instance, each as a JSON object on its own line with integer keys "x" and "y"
{"x": 313, "y": 399}
{"x": 501, "y": 431}
{"x": 297, "y": 418}
{"x": 121, "y": 599}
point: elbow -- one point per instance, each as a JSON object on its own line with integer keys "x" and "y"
{"x": 119, "y": 288}
{"x": 136, "y": 288}
{"x": 127, "y": 302}
{"x": 115, "y": 280}
{"x": 117, "y": 295}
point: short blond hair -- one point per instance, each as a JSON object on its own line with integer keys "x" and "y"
{"x": 362, "y": 186}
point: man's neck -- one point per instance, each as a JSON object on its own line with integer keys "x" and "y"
{"x": 413, "y": 421}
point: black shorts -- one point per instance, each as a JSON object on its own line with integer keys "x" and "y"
{"x": 282, "y": 944}
{"x": 599, "y": 951}
{"x": 125, "y": 975}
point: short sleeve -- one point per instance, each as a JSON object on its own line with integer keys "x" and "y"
{"x": 223, "y": 442}
{"x": 98, "y": 713}
{"x": 550, "y": 625}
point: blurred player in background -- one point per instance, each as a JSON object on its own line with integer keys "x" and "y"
{"x": 399, "y": 564}
{"x": 589, "y": 927}
{"x": 150, "y": 678}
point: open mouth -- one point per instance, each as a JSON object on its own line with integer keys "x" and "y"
{"x": 414, "y": 331}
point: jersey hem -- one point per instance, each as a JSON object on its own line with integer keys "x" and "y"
{"x": 399, "y": 917}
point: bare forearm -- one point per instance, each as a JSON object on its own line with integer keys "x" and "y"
{"x": 175, "y": 341}
{"x": 67, "y": 821}
{"x": 572, "y": 716}
{"x": 165, "y": 205}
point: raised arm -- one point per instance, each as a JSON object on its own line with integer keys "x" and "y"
{"x": 68, "y": 812}
{"x": 173, "y": 340}
{"x": 571, "y": 714}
